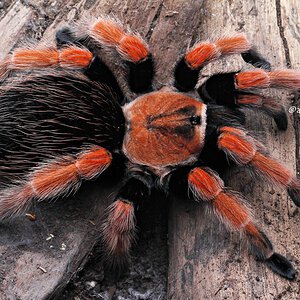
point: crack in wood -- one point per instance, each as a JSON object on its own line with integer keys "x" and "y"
{"x": 154, "y": 21}
{"x": 289, "y": 64}
{"x": 281, "y": 32}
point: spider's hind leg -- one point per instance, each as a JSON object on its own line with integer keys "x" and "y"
{"x": 231, "y": 209}
{"x": 247, "y": 151}
{"x": 119, "y": 227}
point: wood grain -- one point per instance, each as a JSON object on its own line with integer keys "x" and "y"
{"x": 205, "y": 261}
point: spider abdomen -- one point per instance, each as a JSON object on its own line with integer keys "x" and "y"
{"x": 51, "y": 115}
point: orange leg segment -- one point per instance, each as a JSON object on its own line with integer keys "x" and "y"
{"x": 54, "y": 179}
{"x": 26, "y": 59}
{"x": 289, "y": 79}
{"x": 205, "y": 52}
{"x": 230, "y": 207}
{"x": 245, "y": 150}
{"x": 110, "y": 33}
{"x": 118, "y": 231}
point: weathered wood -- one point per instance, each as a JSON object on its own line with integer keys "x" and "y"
{"x": 205, "y": 261}
{"x": 34, "y": 264}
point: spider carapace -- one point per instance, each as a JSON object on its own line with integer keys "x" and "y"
{"x": 169, "y": 125}
{"x": 71, "y": 120}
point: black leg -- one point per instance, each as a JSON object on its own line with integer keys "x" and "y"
{"x": 97, "y": 71}
{"x": 282, "y": 266}
{"x": 256, "y": 59}
{"x": 220, "y": 89}
{"x": 186, "y": 78}
{"x": 141, "y": 75}
{"x": 206, "y": 185}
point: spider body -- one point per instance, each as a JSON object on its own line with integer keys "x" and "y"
{"x": 61, "y": 127}
{"x": 169, "y": 125}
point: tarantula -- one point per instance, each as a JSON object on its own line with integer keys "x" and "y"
{"x": 70, "y": 124}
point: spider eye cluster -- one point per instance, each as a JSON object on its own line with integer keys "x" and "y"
{"x": 195, "y": 120}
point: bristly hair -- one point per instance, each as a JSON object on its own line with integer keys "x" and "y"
{"x": 54, "y": 113}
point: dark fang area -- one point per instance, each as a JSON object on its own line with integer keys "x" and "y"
{"x": 186, "y": 78}
{"x": 141, "y": 75}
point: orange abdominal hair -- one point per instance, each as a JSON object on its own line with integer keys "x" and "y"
{"x": 111, "y": 34}
{"x": 27, "y": 59}
{"x": 289, "y": 79}
{"x": 205, "y": 52}
{"x": 244, "y": 150}
{"x": 54, "y": 179}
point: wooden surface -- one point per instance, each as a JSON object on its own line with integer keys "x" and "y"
{"x": 205, "y": 261}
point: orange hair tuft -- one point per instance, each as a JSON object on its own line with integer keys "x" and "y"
{"x": 75, "y": 57}
{"x": 272, "y": 169}
{"x": 239, "y": 148}
{"x": 33, "y": 58}
{"x": 233, "y": 45}
{"x": 108, "y": 32}
{"x": 289, "y": 79}
{"x": 252, "y": 79}
{"x": 133, "y": 48}
{"x": 201, "y": 54}
{"x": 206, "y": 186}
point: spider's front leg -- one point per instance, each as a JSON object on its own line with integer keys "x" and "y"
{"x": 109, "y": 33}
{"x": 119, "y": 227}
{"x": 188, "y": 68}
{"x": 245, "y": 150}
{"x": 53, "y": 179}
{"x": 71, "y": 56}
{"x": 231, "y": 209}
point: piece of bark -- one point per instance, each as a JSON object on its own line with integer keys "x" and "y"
{"x": 206, "y": 262}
